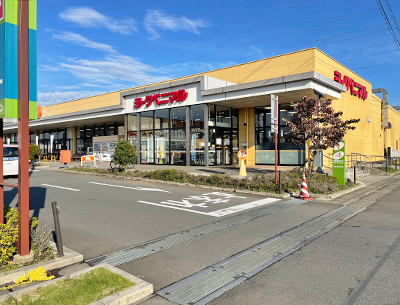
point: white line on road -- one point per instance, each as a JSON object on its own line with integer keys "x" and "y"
{"x": 242, "y": 207}
{"x": 176, "y": 208}
{"x": 132, "y": 188}
{"x": 35, "y": 170}
{"x": 61, "y": 187}
{"x": 222, "y": 212}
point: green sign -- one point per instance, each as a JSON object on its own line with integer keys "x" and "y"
{"x": 338, "y": 166}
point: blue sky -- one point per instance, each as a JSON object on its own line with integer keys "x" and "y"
{"x": 90, "y": 47}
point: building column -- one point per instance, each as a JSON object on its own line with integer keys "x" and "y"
{"x": 138, "y": 136}
{"x": 73, "y": 136}
{"x": 206, "y": 135}
{"x": 188, "y": 136}
{"x": 36, "y": 138}
{"x": 126, "y": 127}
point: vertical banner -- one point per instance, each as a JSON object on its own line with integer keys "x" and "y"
{"x": 338, "y": 166}
{"x": 274, "y": 110}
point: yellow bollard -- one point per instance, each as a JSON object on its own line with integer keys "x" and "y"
{"x": 45, "y": 159}
{"x": 53, "y": 159}
{"x": 242, "y": 172}
{"x": 242, "y": 155}
{"x": 39, "y": 159}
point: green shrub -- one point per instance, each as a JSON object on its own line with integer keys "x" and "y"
{"x": 124, "y": 154}
{"x": 9, "y": 234}
{"x": 34, "y": 152}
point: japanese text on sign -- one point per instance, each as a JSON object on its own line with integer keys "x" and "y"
{"x": 352, "y": 85}
{"x": 160, "y": 99}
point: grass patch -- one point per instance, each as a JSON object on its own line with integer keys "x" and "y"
{"x": 84, "y": 289}
{"x": 389, "y": 169}
{"x": 291, "y": 180}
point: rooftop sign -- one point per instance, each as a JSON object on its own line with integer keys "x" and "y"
{"x": 352, "y": 85}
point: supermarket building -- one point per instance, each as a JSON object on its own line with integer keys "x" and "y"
{"x": 205, "y": 119}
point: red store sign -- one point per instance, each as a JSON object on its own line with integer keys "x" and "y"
{"x": 170, "y": 97}
{"x": 350, "y": 83}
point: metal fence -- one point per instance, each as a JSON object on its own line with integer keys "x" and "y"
{"x": 356, "y": 159}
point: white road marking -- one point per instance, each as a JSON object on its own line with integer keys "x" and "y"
{"x": 61, "y": 187}
{"x": 242, "y": 207}
{"x": 176, "y": 208}
{"x": 35, "y": 170}
{"x": 222, "y": 212}
{"x": 132, "y": 188}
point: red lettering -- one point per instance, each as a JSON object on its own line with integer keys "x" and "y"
{"x": 352, "y": 85}
{"x": 138, "y": 103}
{"x": 176, "y": 96}
{"x": 337, "y": 77}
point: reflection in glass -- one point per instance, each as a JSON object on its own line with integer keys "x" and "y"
{"x": 161, "y": 119}
{"x": 178, "y": 117}
{"x": 197, "y": 115}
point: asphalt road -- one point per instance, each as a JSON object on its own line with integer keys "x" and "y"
{"x": 356, "y": 263}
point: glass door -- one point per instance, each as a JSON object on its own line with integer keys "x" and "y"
{"x": 223, "y": 146}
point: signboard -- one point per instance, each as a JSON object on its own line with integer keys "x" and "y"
{"x": 1, "y": 9}
{"x": 352, "y": 85}
{"x": 274, "y": 110}
{"x": 242, "y": 155}
{"x": 65, "y": 156}
{"x": 8, "y": 59}
{"x": 338, "y": 162}
{"x": 160, "y": 99}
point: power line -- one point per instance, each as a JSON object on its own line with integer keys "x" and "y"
{"x": 393, "y": 17}
{"x": 381, "y": 9}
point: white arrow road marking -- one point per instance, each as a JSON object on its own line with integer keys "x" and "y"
{"x": 132, "y": 188}
{"x": 176, "y": 208}
{"x": 61, "y": 187}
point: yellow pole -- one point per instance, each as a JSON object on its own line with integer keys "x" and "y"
{"x": 242, "y": 172}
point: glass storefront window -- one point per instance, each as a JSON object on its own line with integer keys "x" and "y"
{"x": 197, "y": 146}
{"x": 162, "y": 146}
{"x": 211, "y": 115}
{"x": 120, "y": 128}
{"x": 235, "y": 116}
{"x": 178, "y": 146}
{"x": 161, "y": 119}
{"x": 197, "y": 115}
{"x": 110, "y": 129}
{"x": 132, "y": 122}
{"x": 99, "y": 130}
{"x": 89, "y": 131}
{"x": 146, "y": 120}
{"x": 178, "y": 117}
{"x": 286, "y": 113}
{"x": 223, "y": 117}
{"x": 81, "y": 133}
{"x": 69, "y": 133}
{"x": 132, "y": 137}
{"x": 146, "y": 146}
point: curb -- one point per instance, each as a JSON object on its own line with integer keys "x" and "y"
{"x": 141, "y": 290}
{"x": 274, "y": 195}
{"x": 70, "y": 257}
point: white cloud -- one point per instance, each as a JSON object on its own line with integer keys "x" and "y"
{"x": 110, "y": 68}
{"x": 89, "y": 18}
{"x": 156, "y": 19}
{"x": 82, "y": 41}
{"x": 49, "y": 98}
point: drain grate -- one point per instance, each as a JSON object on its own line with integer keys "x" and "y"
{"x": 148, "y": 248}
{"x": 206, "y": 285}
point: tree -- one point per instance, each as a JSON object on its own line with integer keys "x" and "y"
{"x": 34, "y": 152}
{"x": 124, "y": 154}
{"x": 317, "y": 126}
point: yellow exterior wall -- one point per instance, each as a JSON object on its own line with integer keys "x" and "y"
{"x": 393, "y": 134}
{"x": 368, "y": 138}
{"x": 287, "y": 64}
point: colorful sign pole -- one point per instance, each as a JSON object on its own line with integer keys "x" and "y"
{"x": 338, "y": 166}
{"x": 274, "y": 125}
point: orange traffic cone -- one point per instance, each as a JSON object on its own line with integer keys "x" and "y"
{"x": 304, "y": 191}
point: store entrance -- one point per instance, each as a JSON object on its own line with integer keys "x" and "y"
{"x": 221, "y": 146}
